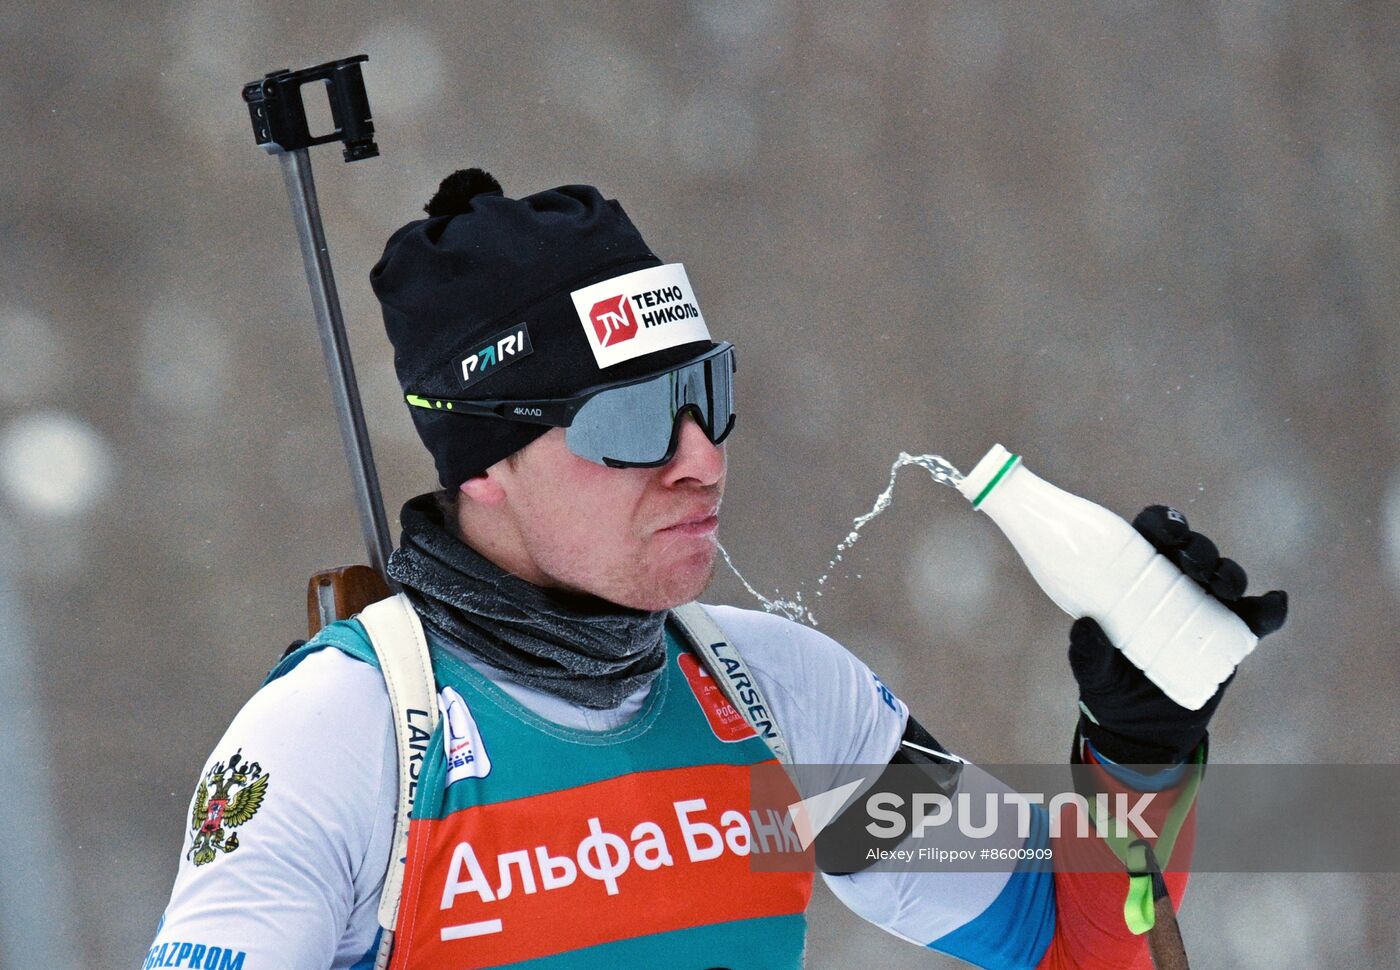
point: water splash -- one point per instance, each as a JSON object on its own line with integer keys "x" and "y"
{"x": 793, "y": 608}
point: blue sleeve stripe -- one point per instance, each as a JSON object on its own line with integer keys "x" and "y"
{"x": 1159, "y": 780}
{"x": 1016, "y": 929}
{"x": 366, "y": 962}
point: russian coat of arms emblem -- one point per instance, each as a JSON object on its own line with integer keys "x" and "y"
{"x": 229, "y": 795}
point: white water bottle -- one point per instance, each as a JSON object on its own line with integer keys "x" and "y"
{"x": 1092, "y": 563}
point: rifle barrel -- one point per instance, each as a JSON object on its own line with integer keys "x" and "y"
{"x": 306, "y": 213}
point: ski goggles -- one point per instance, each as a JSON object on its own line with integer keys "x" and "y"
{"x": 628, "y": 424}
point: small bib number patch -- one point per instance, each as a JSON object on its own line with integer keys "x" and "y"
{"x": 725, "y": 719}
{"x": 461, "y": 740}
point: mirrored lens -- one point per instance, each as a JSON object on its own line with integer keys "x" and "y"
{"x": 636, "y": 424}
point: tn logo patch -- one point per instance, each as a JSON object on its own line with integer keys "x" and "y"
{"x": 613, "y": 320}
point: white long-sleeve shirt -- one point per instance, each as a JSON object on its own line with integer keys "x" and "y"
{"x": 301, "y": 890}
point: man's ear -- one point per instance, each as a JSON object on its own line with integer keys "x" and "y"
{"x": 484, "y": 489}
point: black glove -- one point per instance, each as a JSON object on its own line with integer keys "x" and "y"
{"x": 1129, "y": 719}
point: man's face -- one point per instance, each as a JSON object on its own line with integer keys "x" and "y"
{"x": 639, "y": 537}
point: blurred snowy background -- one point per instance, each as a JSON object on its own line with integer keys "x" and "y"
{"x": 1152, "y": 246}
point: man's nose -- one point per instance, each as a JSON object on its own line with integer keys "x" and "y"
{"x": 697, "y": 458}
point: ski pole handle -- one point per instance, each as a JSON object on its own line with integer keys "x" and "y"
{"x": 1164, "y": 939}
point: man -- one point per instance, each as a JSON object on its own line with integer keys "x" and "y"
{"x": 564, "y": 379}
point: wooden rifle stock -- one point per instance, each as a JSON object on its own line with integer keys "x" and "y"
{"x": 340, "y": 593}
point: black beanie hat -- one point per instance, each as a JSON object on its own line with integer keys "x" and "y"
{"x": 478, "y": 304}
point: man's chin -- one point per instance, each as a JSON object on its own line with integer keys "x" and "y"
{"x": 683, "y": 584}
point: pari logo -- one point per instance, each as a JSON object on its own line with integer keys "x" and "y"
{"x": 639, "y": 313}
{"x": 461, "y": 741}
{"x": 502, "y": 349}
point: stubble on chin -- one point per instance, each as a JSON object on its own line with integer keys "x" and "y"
{"x": 653, "y": 592}
{"x": 689, "y": 585}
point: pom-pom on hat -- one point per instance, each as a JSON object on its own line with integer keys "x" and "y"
{"x": 456, "y": 192}
{"x": 479, "y": 303}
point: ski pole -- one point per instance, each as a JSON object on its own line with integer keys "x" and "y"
{"x": 1164, "y": 941}
{"x": 280, "y": 127}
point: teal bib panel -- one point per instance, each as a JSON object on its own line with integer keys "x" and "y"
{"x": 539, "y": 845}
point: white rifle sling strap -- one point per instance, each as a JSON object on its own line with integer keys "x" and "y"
{"x": 728, "y": 669}
{"x": 397, "y": 636}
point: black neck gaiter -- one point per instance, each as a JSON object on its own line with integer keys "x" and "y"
{"x": 578, "y": 647}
